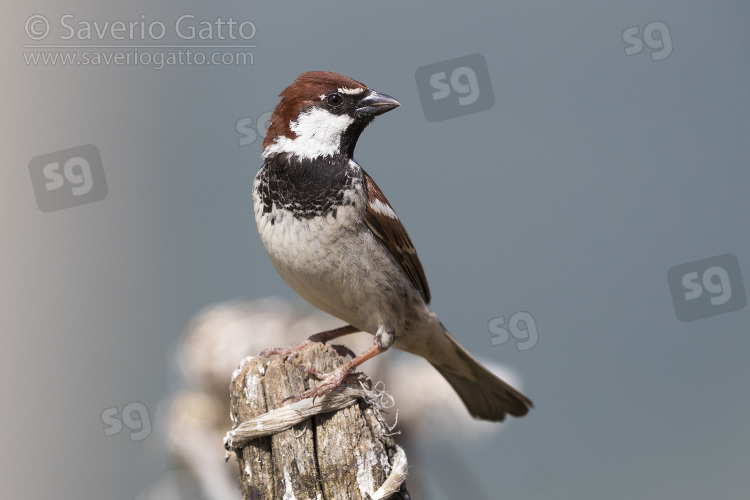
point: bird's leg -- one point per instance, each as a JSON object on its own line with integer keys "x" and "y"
{"x": 292, "y": 352}
{"x": 333, "y": 379}
{"x": 329, "y": 381}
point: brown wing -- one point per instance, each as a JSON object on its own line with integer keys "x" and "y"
{"x": 385, "y": 224}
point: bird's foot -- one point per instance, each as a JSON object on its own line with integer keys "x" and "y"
{"x": 288, "y": 353}
{"x": 329, "y": 381}
{"x": 292, "y": 352}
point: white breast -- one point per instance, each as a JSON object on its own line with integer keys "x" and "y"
{"x": 337, "y": 265}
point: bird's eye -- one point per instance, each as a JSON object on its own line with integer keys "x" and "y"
{"x": 334, "y": 99}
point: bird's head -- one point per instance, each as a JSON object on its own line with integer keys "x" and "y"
{"x": 322, "y": 114}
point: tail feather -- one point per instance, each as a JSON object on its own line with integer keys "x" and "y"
{"x": 485, "y": 395}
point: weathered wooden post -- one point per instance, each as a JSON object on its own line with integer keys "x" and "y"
{"x": 337, "y": 447}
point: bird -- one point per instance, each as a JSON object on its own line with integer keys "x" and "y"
{"x": 336, "y": 241}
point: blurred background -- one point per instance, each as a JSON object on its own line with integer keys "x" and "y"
{"x": 574, "y": 176}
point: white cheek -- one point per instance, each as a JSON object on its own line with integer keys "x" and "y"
{"x": 318, "y": 134}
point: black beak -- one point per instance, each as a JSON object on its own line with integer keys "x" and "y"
{"x": 376, "y": 103}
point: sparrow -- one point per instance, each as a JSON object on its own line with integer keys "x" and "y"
{"x": 336, "y": 240}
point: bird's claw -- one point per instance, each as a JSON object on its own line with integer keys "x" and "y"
{"x": 329, "y": 381}
{"x": 289, "y": 353}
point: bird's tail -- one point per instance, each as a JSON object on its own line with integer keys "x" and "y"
{"x": 485, "y": 395}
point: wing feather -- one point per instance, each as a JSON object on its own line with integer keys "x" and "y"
{"x": 386, "y": 226}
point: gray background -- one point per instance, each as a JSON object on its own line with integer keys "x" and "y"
{"x": 592, "y": 175}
